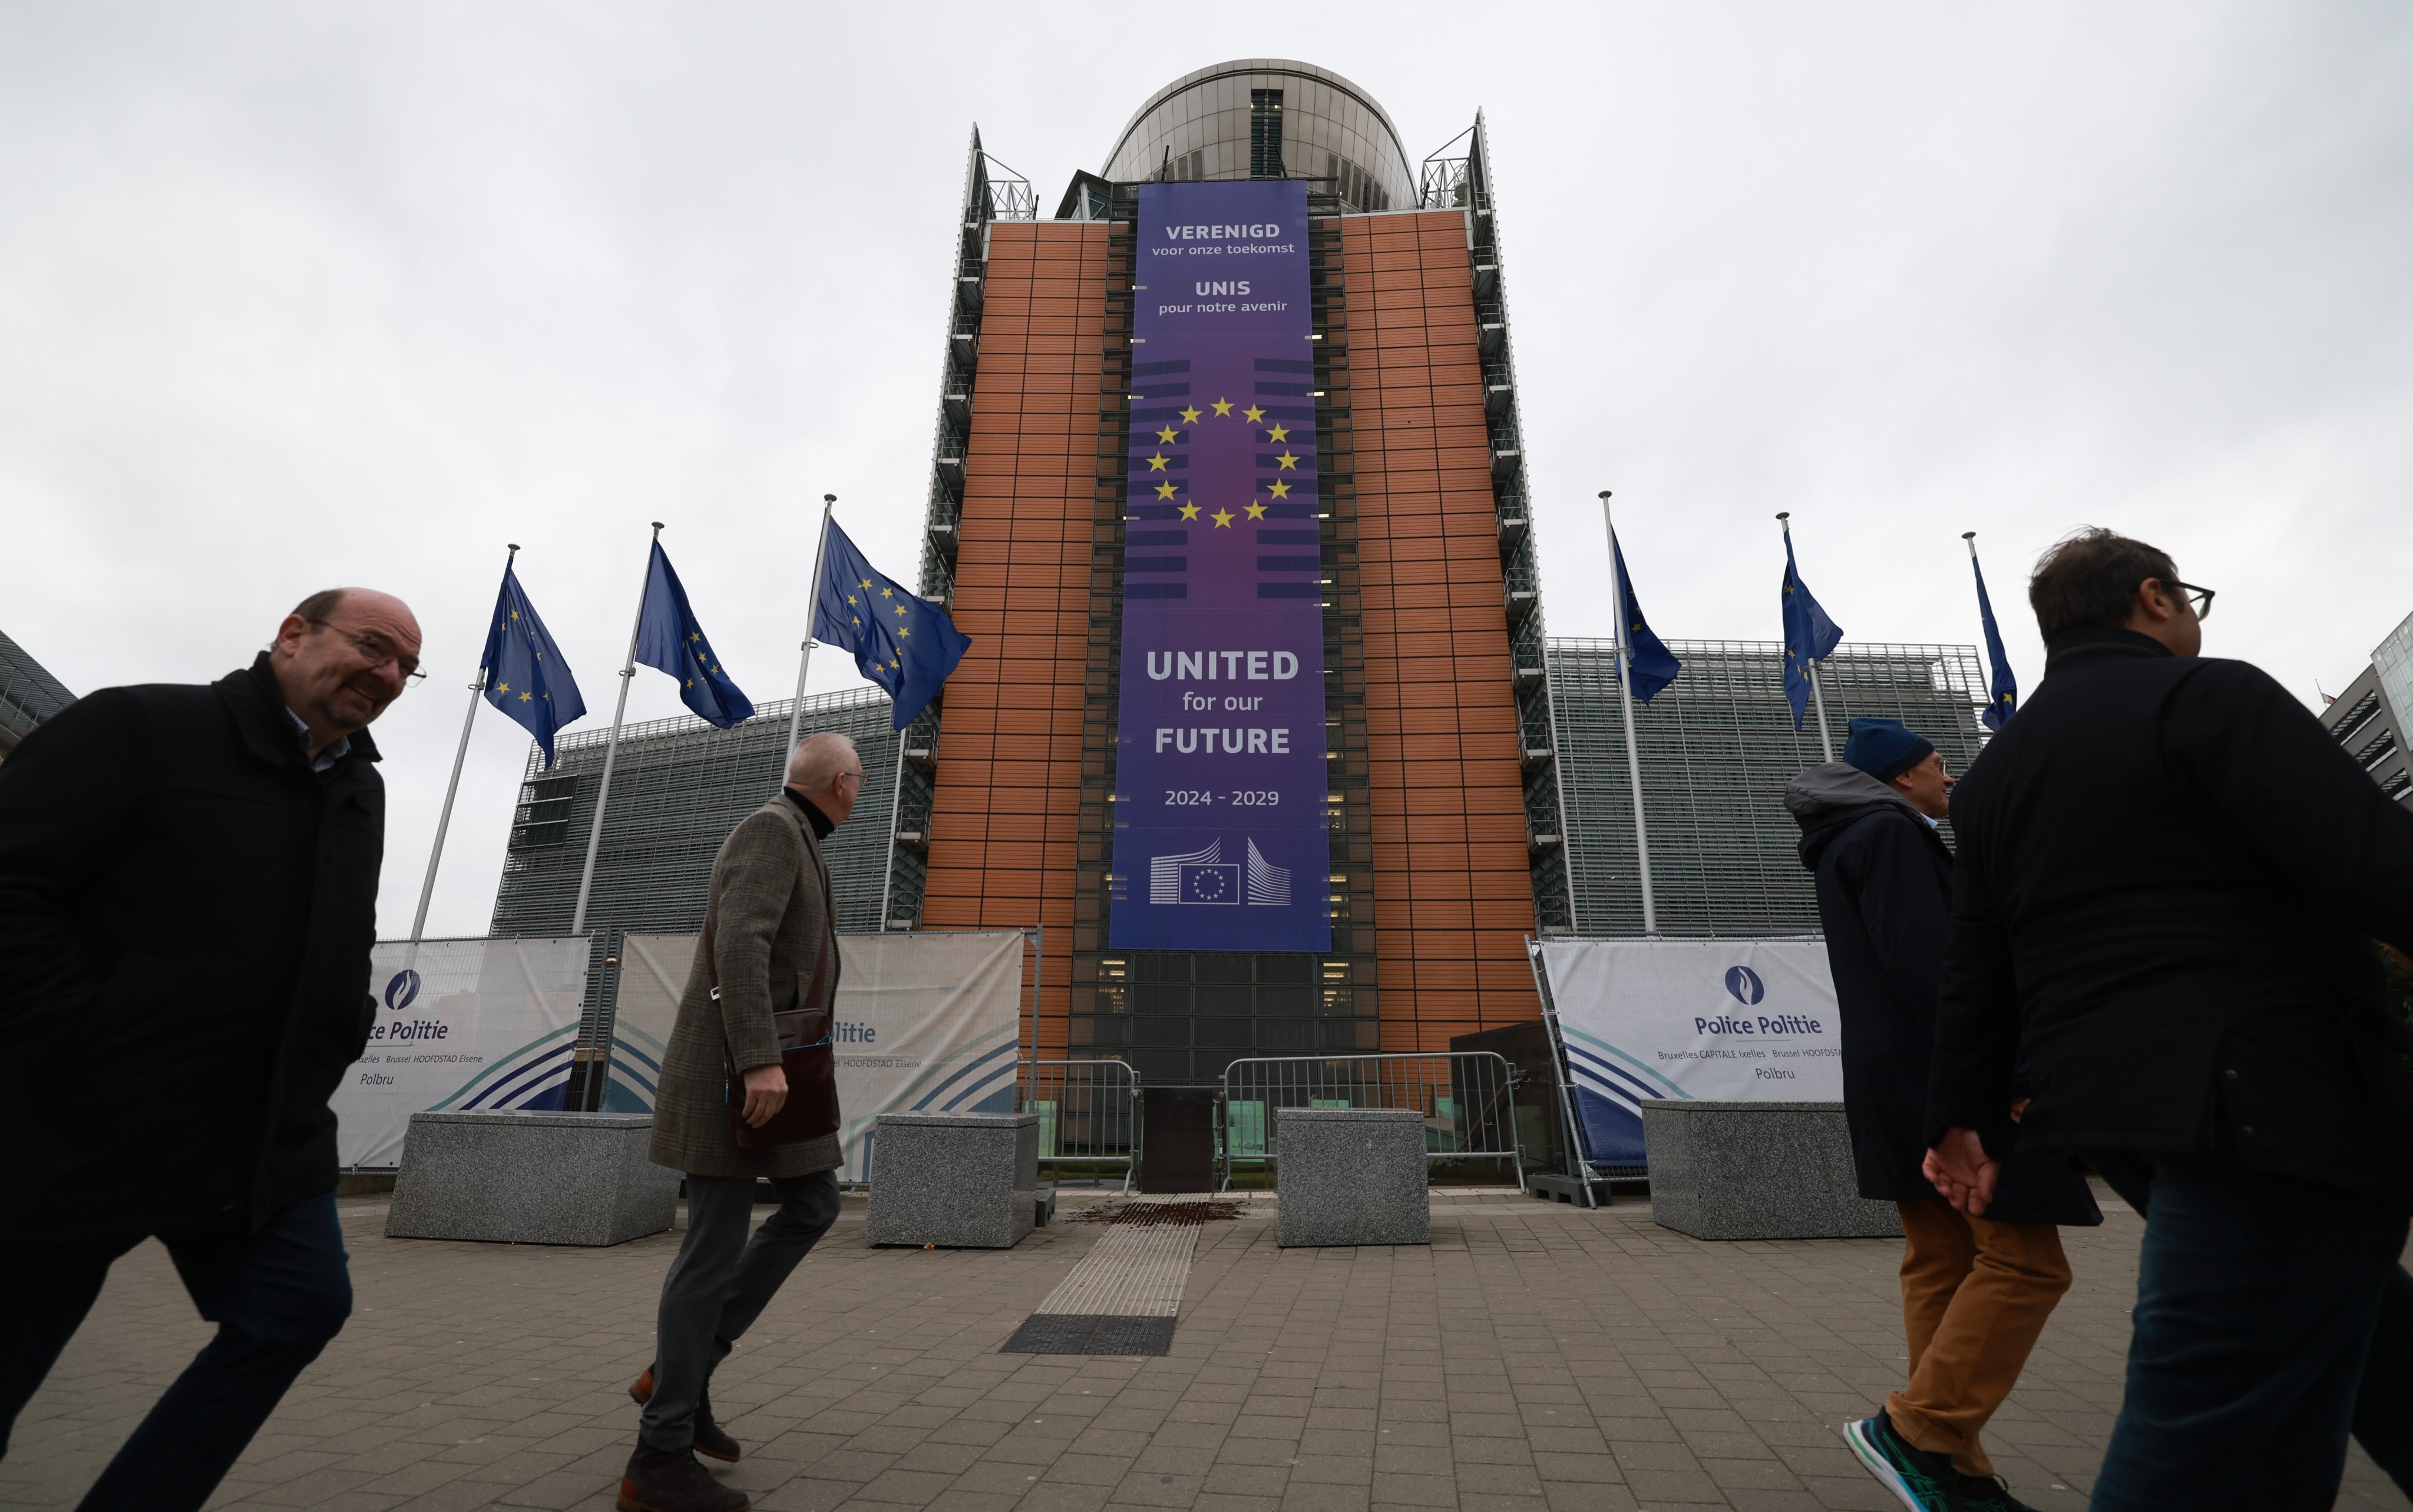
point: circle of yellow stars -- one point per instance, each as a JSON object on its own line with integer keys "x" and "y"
{"x": 1191, "y": 415}
{"x": 538, "y": 651}
{"x": 855, "y": 606}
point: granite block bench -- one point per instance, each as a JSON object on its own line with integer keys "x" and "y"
{"x": 530, "y": 1179}
{"x": 1348, "y": 1175}
{"x": 1758, "y": 1171}
{"x": 958, "y": 1181}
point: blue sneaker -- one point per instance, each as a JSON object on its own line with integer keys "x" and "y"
{"x": 1990, "y": 1493}
{"x": 1921, "y": 1480}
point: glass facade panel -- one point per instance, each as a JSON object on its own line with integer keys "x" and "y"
{"x": 1716, "y": 747}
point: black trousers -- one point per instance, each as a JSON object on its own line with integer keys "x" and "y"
{"x": 2257, "y": 1299}
{"x": 720, "y": 1283}
{"x": 276, "y": 1296}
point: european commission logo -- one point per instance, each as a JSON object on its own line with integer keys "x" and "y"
{"x": 1206, "y": 877}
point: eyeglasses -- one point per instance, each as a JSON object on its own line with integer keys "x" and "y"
{"x": 2200, "y": 600}
{"x": 378, "y": 650}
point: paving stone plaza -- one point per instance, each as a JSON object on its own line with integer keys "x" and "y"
{"x": 1534, "y": 1356}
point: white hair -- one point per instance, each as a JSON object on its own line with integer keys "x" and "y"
{"x": 818, "y": 761}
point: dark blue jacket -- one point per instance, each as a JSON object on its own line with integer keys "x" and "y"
{"x": 1885, "y": 898}
{"x": 2168, "y": 880}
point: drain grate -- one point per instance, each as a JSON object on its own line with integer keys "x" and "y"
{"x": 1090, "y": 1333}
{"x": 1159, "y": 1214}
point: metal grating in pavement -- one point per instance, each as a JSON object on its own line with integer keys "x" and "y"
{"x": 1056, "y": 1333}
{"x": 1122, "y": 1298}
{"x": 1132, "y": 1271}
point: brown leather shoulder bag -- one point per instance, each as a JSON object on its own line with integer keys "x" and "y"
{"x": 808, "y": 1053}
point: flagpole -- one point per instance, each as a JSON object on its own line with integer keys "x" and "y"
{"x": 460, "y": 754}
{"x": 812, "y": 622}
{"x": 1817, "y": 696}
{"x": 1625, "y": 706}
{"x": 612, "y": 750}
{"x": 888, "y": 878}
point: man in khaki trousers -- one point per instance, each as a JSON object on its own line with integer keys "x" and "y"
{"x": 772, "y": 922}
{"x": 1975, "y": 1292}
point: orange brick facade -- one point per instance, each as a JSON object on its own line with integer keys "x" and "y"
{"x": 1451, "y": 893}
{"x": 1005, "y": 814}
{"x": 1453, "y": 896}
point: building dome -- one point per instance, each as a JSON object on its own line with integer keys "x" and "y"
{"x": 1268, "y": 118}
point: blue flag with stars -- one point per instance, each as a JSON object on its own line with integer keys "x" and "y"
{"x": 1809, "y": 636}
{"x": 526, "y": 676}
{"x": 668, "y": 638}
{"x": 901, "y": 641}
{"x": 1650, "y": 665}
{"x": 2004, "y": 701}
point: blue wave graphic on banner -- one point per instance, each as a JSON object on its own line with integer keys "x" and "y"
{"x": 633, "y": 1083}
{"x": 1609, "y": 1088}
{"x": 530, "y": 1078}
{"x": 983, "y": 1084}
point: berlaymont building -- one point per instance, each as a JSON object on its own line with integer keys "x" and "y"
{"x": 1474, "y": 790}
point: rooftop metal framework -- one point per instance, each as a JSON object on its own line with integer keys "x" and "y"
{"x": 28, "y": 693}
{"x": 1717, "y": 747}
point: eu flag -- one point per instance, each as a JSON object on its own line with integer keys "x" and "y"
{"x": 526, "y": 675}
{"x": 901, "y": 641}
{"x": 1650, "y": 665}
{"x": 668, "y": 638}
{"x": 1809, "y": 636}
{"x": 2005, "y": 699}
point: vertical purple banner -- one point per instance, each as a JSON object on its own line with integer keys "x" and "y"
{"x": 1221, "y": 836}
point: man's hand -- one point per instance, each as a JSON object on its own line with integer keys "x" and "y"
{"x": 766, "y": 1091}
{"x": 1960, "y": 1168}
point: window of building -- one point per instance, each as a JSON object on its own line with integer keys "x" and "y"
{"x": 1264, "y": 134}
{"x": 2351, "y": 723}
{"x": 543, "y": 816}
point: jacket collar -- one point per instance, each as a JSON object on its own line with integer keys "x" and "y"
{"x": 2101, "y": 644}
{"x": 818, "y": 823}
{"x": 1835, "y": 787}
{"x": 258, "y": 701}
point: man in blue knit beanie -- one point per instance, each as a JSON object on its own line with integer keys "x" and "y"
{"x": 1975, "y": 1292}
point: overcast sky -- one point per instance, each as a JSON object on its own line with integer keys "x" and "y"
{"x": 302, "y": 294}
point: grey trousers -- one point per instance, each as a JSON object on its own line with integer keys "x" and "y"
{"x": 720, "y": 1283}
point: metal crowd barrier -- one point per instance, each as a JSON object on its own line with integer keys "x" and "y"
{"x": 1089, "y": 1115}
{"x": 1464, "y": 1097}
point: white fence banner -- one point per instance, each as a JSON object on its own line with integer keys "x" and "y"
{"x": 461, "y": 1024}
{"x": 927, "y": 1021}
{"x": 1730, "y": 1020}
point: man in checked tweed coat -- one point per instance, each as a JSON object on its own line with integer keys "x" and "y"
{"x": 772, "y": 918}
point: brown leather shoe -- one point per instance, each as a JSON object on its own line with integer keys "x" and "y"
{"x": 711, "y": 1440}
{"x": 658, "y": 1481}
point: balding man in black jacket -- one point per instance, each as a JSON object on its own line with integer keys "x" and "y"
{"x": 2168, "y": 884}
{"x": 188, "y": 880}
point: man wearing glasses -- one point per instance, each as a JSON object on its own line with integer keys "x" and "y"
{"x": 188, "y": 880}
{"x": 2167, "y": 884}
